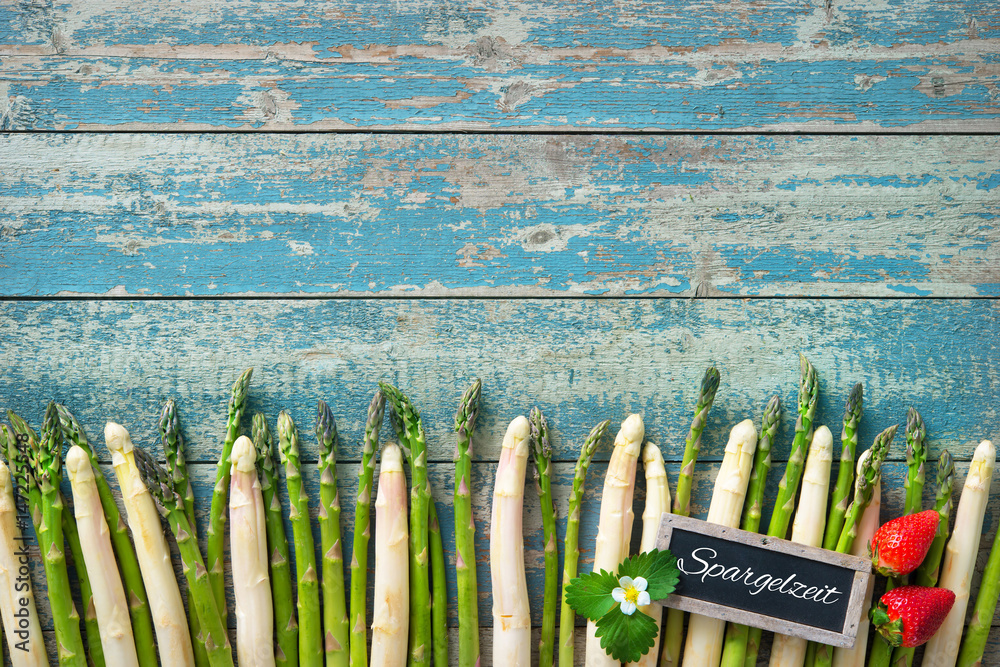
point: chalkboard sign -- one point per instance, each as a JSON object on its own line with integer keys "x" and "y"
{"x": 766, "y": 582}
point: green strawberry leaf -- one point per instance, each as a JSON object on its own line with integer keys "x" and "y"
{"x": 590, "y": 594}
{"x": 658, "y": 568}
{"x": 626, "y": 638}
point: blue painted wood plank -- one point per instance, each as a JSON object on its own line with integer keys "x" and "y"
{"x": 323, "y": 28}
{"x": 55, "y": 93}
{"x": 430, "y": 215}
{"x": 474, "y": 65}
{"x": 580, "y": 361}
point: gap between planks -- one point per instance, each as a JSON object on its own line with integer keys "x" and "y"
{"x": 458, "y": 295}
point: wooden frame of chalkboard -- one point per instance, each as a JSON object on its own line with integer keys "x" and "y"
{"x": 766, "y": 582}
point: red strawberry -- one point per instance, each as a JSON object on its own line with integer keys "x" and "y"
{"x": 910, "y": 615}
{"x": 899, "y": 546}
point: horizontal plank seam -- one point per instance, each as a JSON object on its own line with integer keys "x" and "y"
{"x": 534, "y": 131}
{"x": 438, "y": 297}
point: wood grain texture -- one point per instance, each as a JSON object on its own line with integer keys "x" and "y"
{"x": 473, "y": 65}
{"x": 580, "y": 361}
{"x": 431, "y": 215}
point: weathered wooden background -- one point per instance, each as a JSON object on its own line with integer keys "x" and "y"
{"x": 583, "y": 203}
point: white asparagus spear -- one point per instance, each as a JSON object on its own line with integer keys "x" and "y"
{"x": 855, "y": 657}
{"x": 703, "y": 647}
{"x": 169, "y": 618}
{"x": 808, "y": 528}
{"x": 614, "y": 528}
{"x": 511, "y": 616}
{"x": 391, "y": 608}
{"x": 657, "y": 504}
{"x": 248, "y": 546}
{"x": 17, "y": 601}
{"x": 960, "y": 556}
{"x": 110, "y": 603}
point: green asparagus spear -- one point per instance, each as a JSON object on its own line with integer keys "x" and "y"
{"x": 810, "y": 660}
{"x": 542, "y": 451}
{"x": 174, "y": 450}
{"x": 47, "y": 458}
{"x": 27, "y": 486}
{"x": 216, "y": 546}
{"x": 881, "y": 651}
{"x": 761, "y": 465}
{"x": 927, "y": 573}
{"x": 286, "y": 629}
{"x": 465, "y": 530}
{"x": 788, "y": 487}
{"x": 335, "y": 630}
{"x": 135, "y": 590}
{"x": 567, "y": 617}
{"x": 310, "y": 622}
{"x": 406, "y": 422}
{"x": 735, "y": 646}
{"x": 864, "y": 487}
{"x": 362, "y": 534}
{"x": 673, "y": 635}
{"x": 22, "y": 473}
{"x": 692, "y": 446}
{"x": 845, "y": 474}
{"x": 200, "y": 594}
{"x": 172, "y": 441}
{"x": 916, "y": 456}
{"x": 22, "y": 445}
{"x": 439, "y": 590}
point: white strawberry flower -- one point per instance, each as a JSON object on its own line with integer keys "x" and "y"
{"x": 631, "y": 593}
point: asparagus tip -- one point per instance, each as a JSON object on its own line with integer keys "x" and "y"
{"x": 244, "y": 455}
{"x": 468, "y": 407}
{"x": 710, "y": 382}
{"x": 326, "y": 428}
{"x": 915, "y": 423}
{"x": 946, "y": 463}
{"x": 539, "y": 432}
{"x": 156, "y": 479}
{"x": 857, "y": 396}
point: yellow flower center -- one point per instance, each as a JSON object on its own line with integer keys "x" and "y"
{"x": 632, "y": 594}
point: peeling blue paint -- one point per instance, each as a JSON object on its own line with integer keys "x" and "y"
{"x": 595, "y": 24}
{"x": 990, "y": 181}
{"x": 909, "y": 289}
{"x": 224, "y": 215}
{"x": 789, "y": 265}
{"x": 423, "y": 92}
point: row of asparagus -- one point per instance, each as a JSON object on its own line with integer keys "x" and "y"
{"x": 133, "y": 610}
{"x": 134, "y": 613}
{"x": 844, "y": 519}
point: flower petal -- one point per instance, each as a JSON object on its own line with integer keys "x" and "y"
{"x": 628, "y": 608}
{"x": 626, "y": 582}
{"x": 640, "y": 583}
{"x": 643, "y": 599}
{"x": 618, "y": 594}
